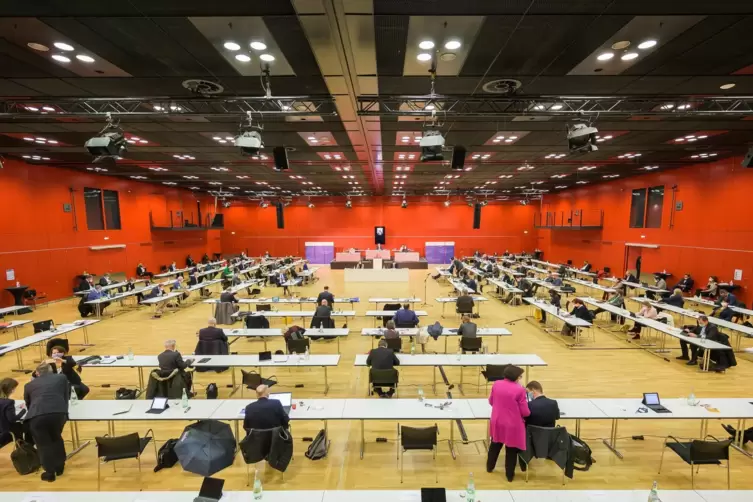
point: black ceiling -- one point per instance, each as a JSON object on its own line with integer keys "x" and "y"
{"x": 346, "y": 48}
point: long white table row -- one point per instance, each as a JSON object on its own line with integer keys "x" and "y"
{"x": 265, "y": 333}
{"x": 563, "y": 315}
{"x": 41, "y": 338}
{"x": 393, "y": 495}
{"x": 446, "y": 332}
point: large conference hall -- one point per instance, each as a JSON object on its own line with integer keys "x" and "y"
{"x": 409, "y": 250}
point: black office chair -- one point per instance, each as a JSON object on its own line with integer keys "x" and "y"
{"x": 464, "y": 309}
{"x": 57, "y": 342}
{"x": 551, "y": 438}
{"x": 41, "y": 326}
{"x": 697, "y": 453}
{"x": 298, "y": 346}
{"x": 470, "y": 344}
{"x": 383, "y": 378}
{"x": 251, "y": 380}
{"x": 263, "y": 307}
{"x": 494, "y": 372}
{"x": 394, "y": 343}
{"x": 390, "y": 307}
{"x": 31, "y": 296}
{"x": 255, "y": 291}
{"x": 324, "y": 322}
{"x": 418, "y": 438}
{"x": 406, "y": 324}
{"x": 110, "y": 449}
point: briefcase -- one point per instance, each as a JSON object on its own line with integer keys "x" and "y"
{"x": 24, "y": 457}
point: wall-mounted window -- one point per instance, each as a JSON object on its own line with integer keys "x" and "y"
{"x": 102, "y": 209}
{"x": 638, "y": 208}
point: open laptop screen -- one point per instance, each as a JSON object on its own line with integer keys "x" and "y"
{"x": 651, "y": 398}
{"x": 285, "y": 398}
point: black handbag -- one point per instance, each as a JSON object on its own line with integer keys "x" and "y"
{"x": 24, "y": 457}
{"x": 123, "y": 393}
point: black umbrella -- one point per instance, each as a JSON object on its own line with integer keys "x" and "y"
{"x": 206, "y": 447}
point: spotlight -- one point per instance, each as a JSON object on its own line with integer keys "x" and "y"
{"x": 431, "y": 144}
{"x": 447, "y": 203}
{"x": 311, "y": 205}
{"x": 348, "y": 204}
{"x": 524, "y": 202}
{"x": 404, "y": 203}
{"x": 582, "y": 138}
{"x": 110, "y": 142}
{"x": 263, "y": 204}
{"x": 226, "y": 204}
{"x": 484, "y": 203}
{"x": 249, "y": 142}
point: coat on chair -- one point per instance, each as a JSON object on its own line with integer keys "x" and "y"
{"x": 224, "y": 313}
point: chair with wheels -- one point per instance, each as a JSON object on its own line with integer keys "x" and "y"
{"x": 110, "y": 449}
{"x": 697, "y": 453}
{"x": 418, "y": 438}
{"x": 383, "y": 378}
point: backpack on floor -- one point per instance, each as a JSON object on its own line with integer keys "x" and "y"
{"x": 24, "y": 457}
{"x": 582, "y": 458}
{"x": 123, "y": 393}
{"x": 166, "y": 456}
{"x": 212, "y": 391}
{"x": 318, "y": 447}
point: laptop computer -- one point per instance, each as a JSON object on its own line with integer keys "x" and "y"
{"x": 159, "y": 404}
{"x": 211, "y": 490}
{"x": 285, "y": 398}
{"x": 41, "y": 326}
{"x": 652, "y": 402}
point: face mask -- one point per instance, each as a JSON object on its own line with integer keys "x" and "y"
{"x": 57, "y": 356}
{"x": 529, "y": 396}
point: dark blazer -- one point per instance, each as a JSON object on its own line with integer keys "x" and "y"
{"x": 68, "y": 368}
{"x": 675, "y": 300}
{"x": 325, "y": 295}
{"x": 586, "y": 267}
{"x": 322, "y": 311}
{"x": 544, "y": 412}
{"x": 154, "y": 293}
{"x": 382, "y": 358}
{"x": 404, "y": 316}
{"x": 192, "y": 280}
{"x": 8, "y": 414}
{"x": 228, "y": 298}
{"x": 104, "y": 282}
{"x": 84, "y": 285}
{"x": 140, "y": 271}
{"x": 582, "y": 312}
{"x": 685, "y": 285}
{"x": 712, "y": 332}
{"x": 726, "y": 314}
{"x": 468, "y": 330}
{"x": 265, "y": 413}
{"x": 47, "y": 394}
{"x": 471, "y": 284}
{"x": 464, "y": 303}
{"x": 212, "y": 333}
{"x": 170, "y": 360}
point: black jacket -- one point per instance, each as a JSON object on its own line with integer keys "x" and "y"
{"x": 544, "y": 412}
{"x": 582, "y": 312}
{"x": 325, "y": 295}
{"x": 104, "y": 282}
{"x": 685, "y": 285}
{"x": 68, "y": 368}
{"x": 675, "y": 300}
{"x": 322, "y": 311}
{"x": 586, "y": 267}
{"x": 265, "y": 414}
{"x": 554, "y": 444}
{"x": 726, "y": 314}
{"x": 46, "y": 395}
{"x": 212, "y": 333}
{"x": 140, "y": 271}
{"x": 468, "y": 330}
{"x": 8, "y": 414}
{"x": 228, "y": 298}
{"x": 84, "y": 285}
{"x": 382, "y": 358}
{"x": 170, "y": 360}
{"x": 464, "y": 304}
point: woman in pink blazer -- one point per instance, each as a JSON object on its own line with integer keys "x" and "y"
{"x": 507, "y": 425}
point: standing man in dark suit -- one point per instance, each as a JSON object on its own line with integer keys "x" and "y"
{"x": 383, "y": 358}
{"x": 544, "y": 411}
{"x": 46, "y": 398}
{"x": 326, "y": 295}
{"x": 703, "y": 330}
{"x": 211, "y": 332}
{"x": 171, "y": 359}
{"x": 265, "y": 413}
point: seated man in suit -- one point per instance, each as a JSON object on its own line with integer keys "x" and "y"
{"x": 86, "y": 283}
{"x": 172, "y": 268}
{"x": 467, "y": 328}
{"x": 141, "y": 271}
{"x": 265, "y": 413}
{"x": 723, "y": 312}
{"x": 586, "y": 266}
{"x": 326, "y": 295}
{"x": 544, "y": 411}
{"x": 322, "y": 315}
{"x": 96, "y": 294}
{"x": 382, "y": 358}
{"x": 171, "y": 359}
{"x": 211, "y": 332}
{"x": 60, "y": 362}
{"x": 179, "y": 286}
{"x": 726, "y": 296}
{"x": 703, "y": 330}
{"x": 190, "y": 261}
{"x": 464, "y": 304}
{"x": 405, "y": 317}
{"x": 580, "y": 311}
{"x": 686, "y": 284}
{"x": 675, "y": 299}
{"x": 105, "y": 280}
{"x": 471, "y": 283}
{"x": 228, "y": 296}
{"x": 555, "y": 299}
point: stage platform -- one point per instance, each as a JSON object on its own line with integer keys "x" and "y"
{"x": 414, "y": 265}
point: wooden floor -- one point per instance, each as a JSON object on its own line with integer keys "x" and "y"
{"x": 612, "y": 368}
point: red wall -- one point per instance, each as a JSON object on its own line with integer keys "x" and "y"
{"x": 38, "y": 240}
{"x": 712, "y": 234}
{"x": 254, "y": 229}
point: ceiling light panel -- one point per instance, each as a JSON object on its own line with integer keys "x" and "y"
{"x": 408, "y": 138}
{"x": 503, "y": 138}
{"x": 243, "y": 31}
{"x": 638, "y": 31}
{"x": 440, "y": 30}
{"x": 693, "y": 137}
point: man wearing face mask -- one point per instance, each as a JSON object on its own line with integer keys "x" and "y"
{"x": 544, "y": 411}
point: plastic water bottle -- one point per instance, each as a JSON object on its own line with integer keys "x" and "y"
{"x": 412, "y": 348}
{"x": 653, "y": 496}
{"x": 130, "y": 354}
{"x": 692, "y": 401}
{"x": 420, "y": 393}
{"x": 74, "y": 398}
{"x": 321, "y": 327}
{"x": 470, "y": 491}
{"x": 306, "y": 355}
{"x": 459, "y": 355}
{"x": 257, "y": 486}
{"x": 184, "y": 400}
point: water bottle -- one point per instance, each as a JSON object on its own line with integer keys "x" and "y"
{"x": 653, "y": 496}
{"x": 306, "y": 355}
{"x": 257, "y": 486}
{"x": 321, "y": 327}
{"x": 184, "y": 400}
{"x": 470, "y": 495}
{"x": 412, "y": 347}
{"x": 130, "y": 354}
{"x": 420, "y": 393}
{"x": 74, "y": 397}
{"x": 458, "y": 355}
{"x": 692, "y": 401}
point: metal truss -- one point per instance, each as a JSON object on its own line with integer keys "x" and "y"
{"x": 476, "y": 106}
{"x": 281, "y": 107}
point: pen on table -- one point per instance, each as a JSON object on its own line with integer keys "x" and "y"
{"x": 186, "y": 410}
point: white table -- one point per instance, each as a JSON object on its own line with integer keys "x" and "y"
{"x": 446, "y": 332}
{"x": 561, "y": 314}
{"x": 461, "y": 287}
{"x": 606, "y": 496}
{"x": 264, "y": 334}
{"x": 636, "y": 285}
{"x": 508, "y": 288}
{"x": 14, "y": 325}
{"x": 590, "y": 285}
{"x": 411, "y": 300}
{"x": 109, "y": 286}
{"x": 158, "y": 300}
{"x": 15, "y": 309}
{"x": 39, "y": 339}
{"x": 293, "y": 313}
{"x": 378, "y": 314}
{"x": 477, "y": 299}
{"x": 120, "y": 298}
{"x": 300, "y": 301}
{"x": 178, "y": 271}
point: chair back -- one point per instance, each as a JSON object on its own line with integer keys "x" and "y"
{"x": 391, "y": 306}
{"x": 57, "y": 342}
{"x": 255, "y": 291}
{"x": 326, "y": 322}
{"x": 211, "y": 347}
{"x": 30, "y": 294}
{"x": 119, "y": 447}
{"x": 298, "y": 346}
{"x": 386, "y": 378}
{"x": 251, "y": 379}
{"x": 394, "y": 343}
{"x": 418, "y": 438}
{"x": 705, "y": 451}
{"x": 263, "y": 307}
{"x": 471, "y": 344}
{"x": 257, "y": 444}
{"x": 405, "y": 324}
{"x": 495, "y": 372}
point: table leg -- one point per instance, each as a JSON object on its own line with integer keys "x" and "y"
{"x": 15, "y": 332}
{"x": 452, "y": 439}
{"x": 363, "y": 440}
{"x": 434, "y": 383}
{"x": 20, "y": 360}
{"x": 527, "y": 374}
{"x": 577, "y": 427}
{"x": 460, "y": 385}
{"x": 497, "y": 352}
{"x": 445, "y": 345}
{"x": 443, "y": 306}
{"x": 612, "y": 443}
{"x": 338, "y": 345}
{"x": 140, "y": 370}
{"x": 326, "y": 385}
{"x": 232, "y": 376}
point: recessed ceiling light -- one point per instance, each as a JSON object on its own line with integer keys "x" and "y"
{"x": 267, "y": 57}
{"x": 647, "y": 44}
{"x": 629, "y": 55}
{"x": 727, "y": 86}
{"x": 84, "y": 58}
{"x": 605, "y": 56}
{"x": 426, "y": 45}
{"x": 48, "y": 109}
{"x": 37, "y": 47}
{"x": 452, "y": 45}
{"x": 243, "y": 58}
{"x": 618, "y": 46}
{"x": 258, "y": 46}
{"x": 232, "y": 46}
{"x": 424, "y": 56}
{"x": 62, "y": 59}
{"x": 429, "y": 107}
{"x": 63, "y": 46}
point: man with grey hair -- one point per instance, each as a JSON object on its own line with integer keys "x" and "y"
{"x": 211, "y": 332}
{"x": 265, "y": 413}
{"x": 46, "y": 398}
{"x": 171, "y": 359}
